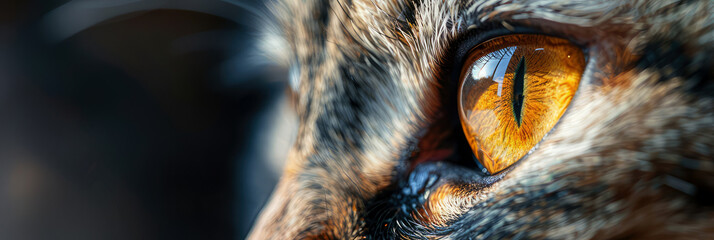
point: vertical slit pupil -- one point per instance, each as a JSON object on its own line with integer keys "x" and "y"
{"x": 518, "y": 87}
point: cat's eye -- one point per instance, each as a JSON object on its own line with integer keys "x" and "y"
{"x": 513, "y": 90}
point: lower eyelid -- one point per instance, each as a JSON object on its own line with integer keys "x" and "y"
{"x": 447, "y": 183}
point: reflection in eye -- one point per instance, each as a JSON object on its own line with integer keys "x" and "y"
{"x": 499, "y": 70}
{"x": 513, "y": 90}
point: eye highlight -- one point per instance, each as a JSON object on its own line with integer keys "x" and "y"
{"x": 513, "y": 90}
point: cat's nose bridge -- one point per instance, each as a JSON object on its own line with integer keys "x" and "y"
{"x": 316, "y": 197}
{"x": 274, "y": 221}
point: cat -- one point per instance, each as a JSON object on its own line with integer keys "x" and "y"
{"x": 379, "y": 152}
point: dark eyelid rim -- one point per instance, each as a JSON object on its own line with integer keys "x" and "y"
{"x": 483, "y": 32}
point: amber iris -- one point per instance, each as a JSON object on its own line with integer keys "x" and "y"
{"x": 513, "y": 90}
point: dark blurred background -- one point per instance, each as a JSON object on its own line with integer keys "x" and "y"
{"x": 137, "y": 119}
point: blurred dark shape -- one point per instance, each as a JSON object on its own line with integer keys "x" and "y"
{"x": 133, "y": 128}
